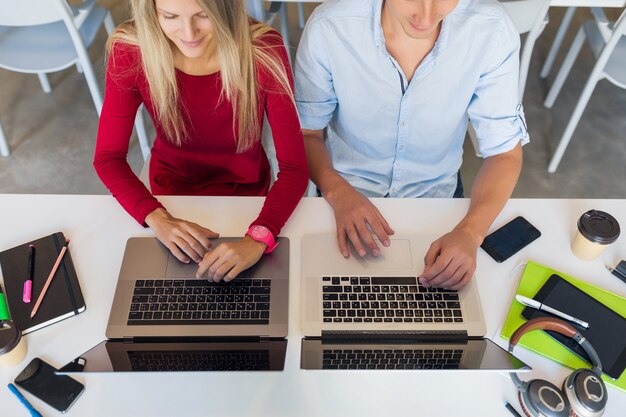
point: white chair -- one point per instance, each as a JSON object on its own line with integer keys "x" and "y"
{"x": 4, "y": 145}
{"x": 530, "y": 17}
{"x": 257, "y": 10}
{"x": 558, "y": 40}
{"x": 608, "y": 43}
{"x": 43, "y": 36}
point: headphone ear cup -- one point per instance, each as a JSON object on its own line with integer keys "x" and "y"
{"x": 524, "y": 406}
{"x": 586, "y": 393}
{"x": 543, "y": 398}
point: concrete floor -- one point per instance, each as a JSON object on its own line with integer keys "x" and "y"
{"x": 52, "y": 137}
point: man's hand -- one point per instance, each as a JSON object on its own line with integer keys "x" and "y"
{"x": 186, "y": 240}
{"x": 355, "y": 215}
{"x": 451, "y": 260}
{"x": 227, "y": 260}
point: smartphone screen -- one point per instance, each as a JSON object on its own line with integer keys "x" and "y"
{"x": 509, "y": 239}
{"x": 58, "y": 391}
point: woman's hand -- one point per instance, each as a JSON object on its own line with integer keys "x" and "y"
{"x": 227, "y": 260}
{"x": 186, "y": 240}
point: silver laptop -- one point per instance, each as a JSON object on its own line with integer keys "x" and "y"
{"x": 164, "y": 319}
{"x": 158, "y": 296}
{"x": 381, "y": 295}
{"x": 371, "y": 313}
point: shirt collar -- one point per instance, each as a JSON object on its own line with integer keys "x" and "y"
{"x": 379, "y": 36}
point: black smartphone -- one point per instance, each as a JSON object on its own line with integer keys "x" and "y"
{"x": 605, "y": 325}
{"x": 509, "y": 239}
{"x": 58, "y": 391}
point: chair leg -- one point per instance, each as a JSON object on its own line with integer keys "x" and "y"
{"x": 94, "y": 89}
{"x": 558, "y": 40}
{"x": 45, "y": 84}
{"x": 573, "y": 121}
{"x": 142, "y": 136}
{"x": 109, "y": 25}
{"x": 255, "y": 10}
{"x": 4, "y": 145}
{"x": 565, "y": 68}
{"x": 301, "y": 19}
{"x": 284, "y": 25}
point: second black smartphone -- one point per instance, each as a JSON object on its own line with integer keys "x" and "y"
{"x": 510, "y": 238}
{"x": 59, "y": 391}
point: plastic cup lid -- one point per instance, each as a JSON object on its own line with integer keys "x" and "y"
{"x": 10, "y": 336}
{"x": 599, "y": 227}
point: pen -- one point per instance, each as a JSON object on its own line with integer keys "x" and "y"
{"x": 540, "y": 306}
{"x": 28, "y": 284}
{"x": 49, "y": 280}
{"x": 511, "y": 409}
{"x": 30, "y": 408}
{"x": 4, "y": 312}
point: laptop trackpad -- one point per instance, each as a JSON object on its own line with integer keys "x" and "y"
{"x": 396, "y": 256}
{"x": 178, "y": 269}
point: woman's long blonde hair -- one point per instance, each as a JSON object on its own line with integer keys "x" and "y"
{"x": 240, "y": 55}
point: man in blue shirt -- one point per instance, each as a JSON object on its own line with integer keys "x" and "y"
{"x": 384, "y": 89}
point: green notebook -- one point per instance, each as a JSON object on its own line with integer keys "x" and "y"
{"x": 535, "y": 275}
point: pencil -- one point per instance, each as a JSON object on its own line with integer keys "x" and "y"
{"x": 49, "y": 280}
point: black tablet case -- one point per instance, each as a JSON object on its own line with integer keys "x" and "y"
{"x": 63, "y": 298}
{"x": 607, "y": 328}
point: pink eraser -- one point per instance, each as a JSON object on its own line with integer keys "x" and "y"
{"x": 28, "y": 290}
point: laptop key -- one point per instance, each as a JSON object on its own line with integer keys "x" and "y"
{"x": 135, "y": 315}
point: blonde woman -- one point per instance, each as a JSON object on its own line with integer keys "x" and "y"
{"x": 207, "y": 74}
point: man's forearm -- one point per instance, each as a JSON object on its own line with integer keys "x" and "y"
{"x": 321, "y": 168}
{"x": 492, "y": 188}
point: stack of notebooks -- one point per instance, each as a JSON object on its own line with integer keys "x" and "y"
{"x": 606, "y": 331}
{"x": 63, "y": 298}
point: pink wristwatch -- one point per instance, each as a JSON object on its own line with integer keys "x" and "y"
{"x": 262, "y": 234}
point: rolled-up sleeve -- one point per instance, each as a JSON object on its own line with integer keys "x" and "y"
{"x": 495, "y": 110}
{"x": 315, "y": 94}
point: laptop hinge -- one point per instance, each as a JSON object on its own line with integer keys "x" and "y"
{"x": 191, "y": 339}
{"x": 400, "y": 335}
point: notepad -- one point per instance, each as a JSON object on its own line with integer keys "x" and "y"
{"x": 63, "y": 299}
{"x": 534, "y": 277}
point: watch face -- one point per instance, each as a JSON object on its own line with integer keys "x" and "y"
{"x": 260, "y": 231}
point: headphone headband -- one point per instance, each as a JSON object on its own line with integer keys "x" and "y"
{"x": 559, "y": 326}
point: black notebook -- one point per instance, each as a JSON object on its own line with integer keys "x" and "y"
{"x": 63, "y": 298}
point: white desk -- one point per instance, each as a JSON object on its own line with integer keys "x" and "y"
{"x": 98, "y": 228}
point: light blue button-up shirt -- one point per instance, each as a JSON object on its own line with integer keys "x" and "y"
{"x": 389, "y": 137}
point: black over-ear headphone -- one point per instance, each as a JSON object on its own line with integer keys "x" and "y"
{"x": 583, "y": 393}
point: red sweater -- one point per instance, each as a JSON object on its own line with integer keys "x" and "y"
{"x": 206, "y": 163}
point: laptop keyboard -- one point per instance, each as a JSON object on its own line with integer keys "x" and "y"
{"x": 199, "y": 301}
{"x": 200, "y": 361}
{"x": 387, "y": 300}
{"x": 392, "y": 359}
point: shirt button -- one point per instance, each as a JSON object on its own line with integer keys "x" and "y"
{"x": 401, "y": 147}
{"x": 402, "y": 124}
